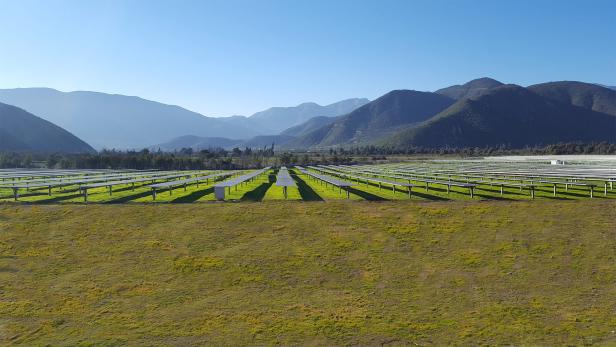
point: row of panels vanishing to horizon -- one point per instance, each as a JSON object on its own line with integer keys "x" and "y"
{"x": 487, "y": 179}
{"x": 481, "y": 113}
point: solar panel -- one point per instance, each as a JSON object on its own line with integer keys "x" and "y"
{"x": 190, "y": 180}
{"x": 70, "y": 182}
{"x": 284, "y": 179}
{"x": 328, "y": 180}
{"x": 219, "y": 189}
{"x": 31, "y": 182}
{"x": 185, "y": 182}
{"x": 448, "y": 184}
{"x": 241, "y": 179}
{"x": 136, "y": 180}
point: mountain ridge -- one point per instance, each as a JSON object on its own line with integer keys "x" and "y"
{"x": 23, "y": 131}
{"x": 463, "y": 115}
{"x": 508, "y": 115}
{"x": 586, "y": 95}
{"x": 469, "y": 89}
{"x": 376, "y": 119}
{"x": 131, "y": 122}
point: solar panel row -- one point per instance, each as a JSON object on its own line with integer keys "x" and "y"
{"x": 325, "y": 179}
{"x": 185, "y": 182}
{"x": 284, "y": 180}
{"x": 335, "y": 170}
{"x": 220, "y": 188}
{"x": 46, "y": 181}
{"x": 504, "y": 180}
{"x": 403, "y": 176}
{"x": 110, "y": 184}
{"x": 66, "y": 183}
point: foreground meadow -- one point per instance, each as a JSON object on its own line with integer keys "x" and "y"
{"x": 309, "y": 273}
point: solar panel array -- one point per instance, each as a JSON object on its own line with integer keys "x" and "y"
{"x": 18, "y": 174}
{"x": 509, "y": 178}
{"x": 149, "y": 178}
{"x": 45, "y": 182}
{"x": 187, "y": 181}
{"x": 66, "y": 182}
{"x": 334, "y": 170}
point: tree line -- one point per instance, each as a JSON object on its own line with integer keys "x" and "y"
{"x": 248, "y": 158}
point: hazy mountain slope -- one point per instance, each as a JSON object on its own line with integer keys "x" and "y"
{"x": 379, "y": 118}
{"x": 199, "y": 143}
{"x": 509, "y": 115}
{"x": 278, "y": 119}
{"x": 309, "y": 126}
{"x": 470, "y": 89}
{"x": 9, "y": 142}
{"x": 117, "y": 121}
{"x": 247, "y": 122}
{"x": 590, "y": 96}
{"x": 21, "y": 130}
{"x": 194, "y": 142}
{"x": 265, "y": 140}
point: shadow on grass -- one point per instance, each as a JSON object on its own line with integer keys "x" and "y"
{"x": 60, "y": 198}
{"x": 130, "y": 187}
{"x": 493, "y": 193}
{"x": 7, "y": 269}
{"x": 572, "y": 194}
{"x": 194, "y": 196}
{"x": 365, "y": 195}
{"x": 128, "y": 198}
{"x": 28, "y": 194}
{"x": 427, "y": 196}
{"x": 493, "y": 197}
{"x": 495, "y": 190}
{"x": 307, "y": 193}
{"x": 258, "y": 193}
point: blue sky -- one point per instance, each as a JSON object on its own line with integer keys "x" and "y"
{"x": 238, "y": 57}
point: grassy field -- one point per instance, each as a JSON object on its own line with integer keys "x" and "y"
{"x": 309, "y": 273}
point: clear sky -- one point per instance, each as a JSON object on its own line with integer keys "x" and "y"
{"x": 238, "y": 57}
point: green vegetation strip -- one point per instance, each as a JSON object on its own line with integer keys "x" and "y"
{"x": 342, "y": 273}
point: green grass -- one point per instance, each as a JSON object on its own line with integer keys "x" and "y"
{"x": 341, "y": 273}
{"x": 277, "y": 193}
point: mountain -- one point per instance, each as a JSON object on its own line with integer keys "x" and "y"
{"x": 124, "y": 122}
{"x": 23, "y": 131}
{"x": 277, "y": 119}
{"x": 117, "y": 121}
{"x": 194, "y": 142}
{"x": 246, "y": 122}
{"x": 308, "y": 126}
{"x": 509, "y": 115}
{"x": 470, "y": 89}
{"x": 198, "y": 143}
{"x": 377, "y": 119}
{"x": 11, "y": 143}
{"x": 586, "y": 95}
{"x": 266, "y": 140}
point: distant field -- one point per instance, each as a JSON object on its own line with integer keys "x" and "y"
{"x": 341, "y": 273}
